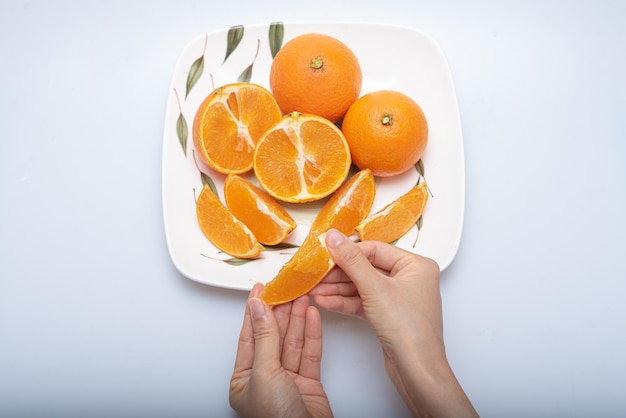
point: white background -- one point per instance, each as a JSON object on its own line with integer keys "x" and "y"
{"x": 96, "y": 321}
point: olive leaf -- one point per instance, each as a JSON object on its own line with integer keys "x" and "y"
{"x": 238, "y": 261}
{"x": 281, "y": 246}
{"x": 182, "y": 131}
{"x": 209, "y": 182}
{"x": 231, "y": 261}
{"x": 276, "y": 33}
{"x": 235, "y": 34}
{"x": 418, "y": 224}
{"x": 419, "y": 166}
{"x": 195, "y": 72}
{"x": 246, "y": 74}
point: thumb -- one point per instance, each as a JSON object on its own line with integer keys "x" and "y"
{"x": 349, "y": 257}
{"x": 265, "y": 329}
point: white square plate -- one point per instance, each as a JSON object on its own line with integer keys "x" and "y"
{"x": 391, "y": 57}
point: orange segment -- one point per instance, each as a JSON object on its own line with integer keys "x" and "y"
{"x": 397, "y": 218}
{"x": 223, "y": 229}
{"x": 348, "y": 206}
{"x": 301, "y": 273}
{"x": 302, "y": 158}
{"x": 228, "y": 124}
{"x": 269, "y": 222}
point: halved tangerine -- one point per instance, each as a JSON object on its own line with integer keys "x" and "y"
{"x": 221, "y": 227}
{"x": 397, "y": 218}
{"x": 302, "y": 158}
{"x": 265, "y": 217}
{"x": 306, "y": 268}
{"x": 348, "y": 206}
{"x": 229, "y": 122}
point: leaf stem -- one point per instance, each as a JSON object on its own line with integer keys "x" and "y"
{"x": 258, "y": 45}
{"x": 180, "y": 109}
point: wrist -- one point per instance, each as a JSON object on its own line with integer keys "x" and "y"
{"x": 424, "y": 378}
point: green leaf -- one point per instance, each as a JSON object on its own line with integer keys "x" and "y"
{"x": 419, "y": 166}
{"x": 183, "y": 132}
{"x": 231, "y": 261}
{"x": 194, "y": 74}
{"x": 238, "y": 261}
{"x": 209, "y": 182}
{"x": 418, "y": 224}
{"x": 246, "y": 74}
{"x": 277, "y": 31}
{"x": 281, "y": 246}
{"x": 235, "y": 34}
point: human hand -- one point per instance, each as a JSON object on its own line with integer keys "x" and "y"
{"x": 397, "y": 292}
{"x": 277, "y": 368}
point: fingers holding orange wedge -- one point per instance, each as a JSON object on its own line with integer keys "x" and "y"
{"x": 229, "y": 122}
{"x": 302, "y": 158}
{"x": 306, "y": 268}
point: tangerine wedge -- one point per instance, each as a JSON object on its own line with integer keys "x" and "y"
{"x": 302, "y": 158}
{"x": 265, "y": 217}
{"x": 221, "y": 227}
{"x": 348, "y": 206}
{"x": 304, "y": 270}
{"x": 229, "y": 122}
{"x": 397, "y": 218}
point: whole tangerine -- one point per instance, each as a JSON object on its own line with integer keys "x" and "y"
{"x": 387, "y": 132}
{"x": 316, "y": 74}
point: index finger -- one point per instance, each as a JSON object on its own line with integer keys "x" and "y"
{"x": 245, "y": 345}
{"x": 384, "y": 256}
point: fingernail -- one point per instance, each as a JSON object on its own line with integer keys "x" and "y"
{"x": 257, "y": 309}
{"x": 334, "y": 238}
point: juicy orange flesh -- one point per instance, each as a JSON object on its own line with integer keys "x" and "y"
{"x": 231, "y": 120}
{"x": 219, "y": 118}
{"x": 223, "y": 229}
{"x": 254, "y": 112}
{"x": 306, "y": 268}
{"x": 286, "y": 177}
{"x": 331, "y": 154}
{"x": 269, "y": 222}
{"x": 348, "y": 206}
{"x": 291, "y": 163}
{"x": 397, "y": 218}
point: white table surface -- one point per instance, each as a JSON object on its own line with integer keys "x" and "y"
{"x": 96, "y": 321}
